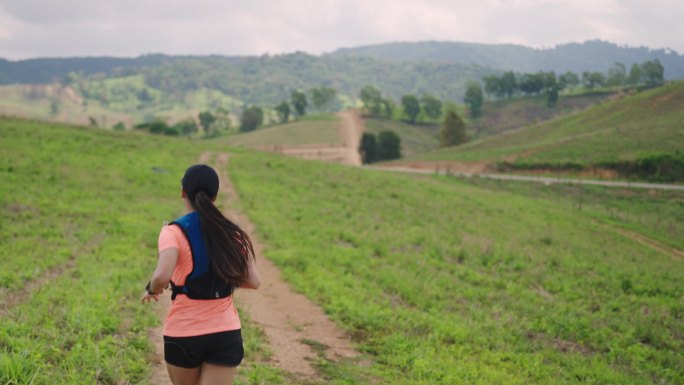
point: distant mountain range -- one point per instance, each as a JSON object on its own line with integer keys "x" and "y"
{"x": 440, "y": 68}
{"x": 595, "y": 55}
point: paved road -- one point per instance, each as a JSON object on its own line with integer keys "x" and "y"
{"x": 541, "y": 179}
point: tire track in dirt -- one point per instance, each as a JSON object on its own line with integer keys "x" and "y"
{"x": 10, "y": 298}
{"x": 648, "y": 242}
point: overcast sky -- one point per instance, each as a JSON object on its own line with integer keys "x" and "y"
{"x": 40, "y": 28}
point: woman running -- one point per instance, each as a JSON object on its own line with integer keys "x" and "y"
{"x": 203, "y": 258}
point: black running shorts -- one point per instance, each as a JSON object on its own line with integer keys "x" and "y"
{"x": 223, "y": 348}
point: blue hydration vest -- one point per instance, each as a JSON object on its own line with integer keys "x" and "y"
{"x": 201, "y": 283}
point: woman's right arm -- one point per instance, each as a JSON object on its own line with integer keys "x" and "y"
{"x": 252, "y": 280}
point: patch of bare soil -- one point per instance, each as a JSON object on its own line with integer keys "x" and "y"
{"x": 442, "y": 167}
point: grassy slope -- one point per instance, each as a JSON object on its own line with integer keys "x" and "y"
{"x": 505, "y": 115}
{"x": 624, "y": 129}
{"x": 321, "y": 129}
{"x": 122, "y": 103}
{"x": 442, "y": 282}
{"x": 499, "y": 116}
{"x": 91, "y": 199}
{"x": 657, "y": 214}
{"x": 415, "y": 139}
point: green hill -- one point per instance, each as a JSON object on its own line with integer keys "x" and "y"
{"x": 415, "y": 138}
{"x": 434, "y": 279}
{"x": 497, "y": 117}
{"x": 595, "y": 55}
{"x": 625, "y": 135}
{"x": 443, "y": 282}
{"x": 316, "y": 129}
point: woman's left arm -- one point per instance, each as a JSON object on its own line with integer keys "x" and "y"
{"x": 162, "y": 275}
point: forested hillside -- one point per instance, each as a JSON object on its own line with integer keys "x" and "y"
{"x": 577, "y": 57}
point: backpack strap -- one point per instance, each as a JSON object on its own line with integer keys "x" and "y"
{"x": 190, "y": 226}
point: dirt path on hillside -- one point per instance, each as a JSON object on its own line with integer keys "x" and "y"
{"x": 288, "y": 319}
{"x": 350, "y": 130}
{"x": 291, "y": 322}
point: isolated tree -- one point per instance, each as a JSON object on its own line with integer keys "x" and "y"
{"x": 389, "y": 145}
{"x": 431, "y": 106}
{"x": 388, "y": 107}
{"x": 508, "y": 83}
{"x": 299, "y": 102}
{"x": 187, "y": 126}
{"x": 453, "y": 131}
{"x": 493, "y": 86}
{"x": 368, "y": 148}
{"x": 411, "y": 106}
{"x": 552, "y": 96}
{"x": 652, "y": 72}
{"x": 591, "y": 80}
{"x": 474, "y": 99}
{"x": 531, "y": 83}
{"x": 283, "y": 111}
{"x": 206, "y": 119}
{"x": 634, "y": 77}
{"x": 568, "y": 80}
{"x": 223, "y": 121}
{"x": 617, "y": 75}
{"x": 252, "y": 117}
{"x": 372, "y": 100}
{"x": 54, "y": 107}
{"x": 322, "y": 97}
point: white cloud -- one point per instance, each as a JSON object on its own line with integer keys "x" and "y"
{"x": 30, "y": 28}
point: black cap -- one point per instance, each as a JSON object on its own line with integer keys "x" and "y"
{"x": 200, "y": 177}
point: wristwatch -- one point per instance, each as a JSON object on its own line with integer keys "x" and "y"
{"x": 147, "y": 288}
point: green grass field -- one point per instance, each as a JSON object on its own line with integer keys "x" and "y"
{"x": 320, "y": 129}
{"x": 444, "y": 282}
{"x": 437, "y": 280}
{"x": 80, "y": 214}
{"x": 626, "y": 129}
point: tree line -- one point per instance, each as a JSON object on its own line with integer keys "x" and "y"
{"x": 323, "y": 99}
{"x": 210, "y": 123}
{"x": 648, "y": 73}
{"x": 374, "y": 103}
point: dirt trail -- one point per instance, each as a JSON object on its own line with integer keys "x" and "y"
{"x": 350, "y": 129}
{"x": 291, "y": 322}
{"x": 287, "y": 318}
{"x": 156, "y": 335}
{"x": 648, "y": 242}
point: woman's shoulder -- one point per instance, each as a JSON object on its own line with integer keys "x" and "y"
{"x": 170, "y": 234}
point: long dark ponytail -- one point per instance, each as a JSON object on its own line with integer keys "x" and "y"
{"x": 228, "y": 246}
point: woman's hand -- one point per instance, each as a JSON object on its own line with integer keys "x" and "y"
{"x": 147, "y": 297}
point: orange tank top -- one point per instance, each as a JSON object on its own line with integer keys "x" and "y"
{"x": 191, "y": 317}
